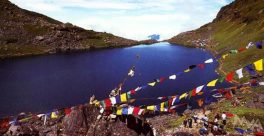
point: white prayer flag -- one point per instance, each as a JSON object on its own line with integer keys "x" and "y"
{"x": 209, "y": 61}
{"x": 130, "y": 110}
{"x": 239, "y": 73}
{"x": 113, "y": 100}
{"x": 199, "y": 89}
{"x": 172, "y": 77}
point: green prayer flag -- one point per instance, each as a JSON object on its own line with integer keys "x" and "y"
{"x": 221, "y": 79}
{"x": 166, "y": 104}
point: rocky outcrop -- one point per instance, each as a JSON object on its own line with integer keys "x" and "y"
{"x": 24, "y": 32}
{"x": 80, "y": 122}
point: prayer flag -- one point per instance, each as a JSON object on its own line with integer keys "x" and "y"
{"x": 128, "y": 95}
{"x": 124, "y": 111}
{"x": 136, "y": 110}
{"x": 102, "y": 103}
{"x": 183, "y": 96}
{"x": 130, "y": 110}
{"x": 242, "y": 49}
{"x": 113, "y": 100}
{"x": 228, "y": 95}
{"x": 118, "y": 100}
{"x": 239, "y": 73}
{"x": 151, "y": 108}
{"x": 175, "y": 100}
{"x": 250, "y": 44}
{"x": 133, "y": 91}
{"x": 157, "y": 107}
{"x": 212, "y": 83}
{"x": 131, "y": 73}
{"x": 54, "y": 115}
{"x": 140, "y": 111}
{"x": 162, "y": 79}
{"x": 192, "y": 66}
{"x": 229, "y": 77}
{"x": 224, "y": 56}
{"x": 162, "y": 106}
{"x": 199, "y": 88}
{"x": 107, "y": 102}
{"x": 221, "y": 79}
{"x": 152, "y": 84}
{"x": 119, "y": 111}
{"x": 209, "y": 61}
{"x": 233, "y": 51}
{"x": 230, "y": 115}
{"x": 138, "y": 88}
{"x": 240, "y": 130}
{"x": 201, "y": 66}
{"x": 172, "y": 77}
{"x": 250, "y": 69}
{"x": 259, "y": 45}
{"x": 123, "y": 97}
{"x": 162, "y": 98}
{"x": 259, "y": 65}
{"x": 187, "y": 70}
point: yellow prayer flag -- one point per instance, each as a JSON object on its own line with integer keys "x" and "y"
{"x": 259, "y": 65}
{"x": 54, "y": 115}
{"x": 187, "y": 70}
{"x": 119, "y": 112}
{"x": 152, "y": 107}
{"x": 152, "y": 84}
{"x": 212, "y": 83}
{"x": 123, "y": 97}
{"x": 224, "y": 56}
{"x": 183, "y": 96}
{"x": 162, "y": 106}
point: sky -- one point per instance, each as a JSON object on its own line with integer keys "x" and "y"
{"x": 132, "y": 19}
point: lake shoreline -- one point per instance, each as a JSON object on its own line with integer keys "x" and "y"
{"x": 73, "y": 50}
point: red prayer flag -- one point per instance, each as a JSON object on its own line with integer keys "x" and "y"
{"x": 229, "y": 77}
{"x": 242, "y": 49}
{"x": 230, "y": 115}
{"x": 228, "y": 95}
{"x": 4, "y": 123}
{"x": 136, "y": 110}
{"x": 132, "y": 91}
{"x": 67, "y": 111}
{"x": 201, "y": 66}
{"x": 194, "y": 92}
{"x": 107, "y": 102}
{"x": 162, "y": 79}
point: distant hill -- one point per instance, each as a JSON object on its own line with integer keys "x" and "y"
{"x": 23, "y": 32}
{"x": 236, "y": 24}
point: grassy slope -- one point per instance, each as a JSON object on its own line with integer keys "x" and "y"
{"x": 232, "y": 32}
{"x": 226, "y": 34}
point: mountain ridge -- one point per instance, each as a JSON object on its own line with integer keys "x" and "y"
{"x": 24, "y": 33}
{"x": 235, "y": 25}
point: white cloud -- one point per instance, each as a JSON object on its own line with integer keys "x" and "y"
{"x": 134, "y": 19}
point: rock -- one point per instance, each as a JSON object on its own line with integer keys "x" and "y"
{"x": 39, "y": 38}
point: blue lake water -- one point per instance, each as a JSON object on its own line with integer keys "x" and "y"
{"x": 42, "y": 83}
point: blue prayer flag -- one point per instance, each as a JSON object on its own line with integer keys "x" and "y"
{"x": 250, "y": 69}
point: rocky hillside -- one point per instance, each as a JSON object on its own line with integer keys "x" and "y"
{"x": 82, "y": 121}
{"x": 24, "y": 32}
{"x": 236, "y": 24}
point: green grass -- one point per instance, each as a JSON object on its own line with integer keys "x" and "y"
{"x": 22, "y": 50}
